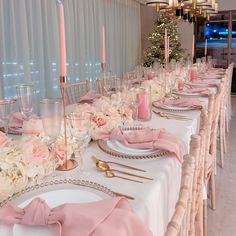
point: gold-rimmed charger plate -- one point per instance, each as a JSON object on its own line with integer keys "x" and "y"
{"x": 175, "y": 108}
{"x": 35, "y": 190}
{"x": 105, "y": 146}
{"x": 189, "y": 94}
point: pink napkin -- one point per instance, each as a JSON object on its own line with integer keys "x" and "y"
{"x": 180, "y": 102}
{"x": 89, "y": 96}
{"x": 148, "y": 139}
{"x": 111, "y": 216}
{"x": 204, "y": 91}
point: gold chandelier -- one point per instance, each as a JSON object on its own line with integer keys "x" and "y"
{"x": 187, "y": 10}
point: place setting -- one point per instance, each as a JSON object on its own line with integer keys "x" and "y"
{"x": 179, "y": 104}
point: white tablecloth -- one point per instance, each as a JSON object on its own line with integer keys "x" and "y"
{"x": 154, "y": 200}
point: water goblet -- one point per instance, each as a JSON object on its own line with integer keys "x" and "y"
{"x": 79, "y": 125}
{"x": 136, "y": 100}
{"x": 25, "y": 93}
{"x": 109, "y": 84}
{"x": 6, "y": 108}
{"x": 51, "y": 114}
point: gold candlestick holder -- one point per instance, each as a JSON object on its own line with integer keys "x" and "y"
{"x": 69, "y": 164}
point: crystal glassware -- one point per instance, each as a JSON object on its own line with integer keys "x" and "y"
{"x": 6, "y": 108}
{"x": 79, "y": 125}
{"x": 51, "y": 115}
{"x": 25, "y": 93}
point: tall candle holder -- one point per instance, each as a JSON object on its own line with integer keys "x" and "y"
{"x": 69, "y": 164}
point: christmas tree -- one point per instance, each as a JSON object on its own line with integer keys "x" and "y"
{"x": 156, "y": 51}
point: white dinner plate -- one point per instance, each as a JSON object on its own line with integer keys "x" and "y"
{"x": 54, "y": 197}
{"x": 121, "y": 148}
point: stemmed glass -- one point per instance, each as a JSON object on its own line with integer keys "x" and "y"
{"x": 51, "y": 115}
{"x": 6, "y": 108}
{"x": 135, "y": 101}
{"x": 80, "y": 124}
{"x": 111, "y": 84}
{"x": 25, "y": 93}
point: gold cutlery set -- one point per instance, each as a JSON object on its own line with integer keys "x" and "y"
{"x": 110, "y": 172}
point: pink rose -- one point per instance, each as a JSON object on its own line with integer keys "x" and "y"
{"x": 59, "y": 152}
{"x": 35, "y": 151}
{"x": 33, "y": 127}
{"x": 3, "y": 139}
{"x": 99, "y": 121}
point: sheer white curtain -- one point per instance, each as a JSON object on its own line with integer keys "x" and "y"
{"x": 29, "y": 44}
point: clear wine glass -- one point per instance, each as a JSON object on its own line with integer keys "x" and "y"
{"x": 135, "y": 101}
{"x": 25, "y": 93}
{"x": 79, "y": 125}
{"x": 109, "y": 84}
{"x": 51, "y": 115}
{"x": 6, "y": 108}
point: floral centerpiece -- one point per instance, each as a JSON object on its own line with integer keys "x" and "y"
{"x": 28, "y": 160}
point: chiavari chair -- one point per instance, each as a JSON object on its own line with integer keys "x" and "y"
{"x": 179, "y": 221}
{"x": 225, "y": 113}
{"x": 75, "y": 91}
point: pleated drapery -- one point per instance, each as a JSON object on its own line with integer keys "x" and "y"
{"x": 29, "y": 43}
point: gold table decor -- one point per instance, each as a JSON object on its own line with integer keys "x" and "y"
{"x": 79, "y": 182}
{"x": 69, "y": 164}
{"x": 102, "y": 144}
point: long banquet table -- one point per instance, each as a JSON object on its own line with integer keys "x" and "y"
{"x": 154, "y": 200}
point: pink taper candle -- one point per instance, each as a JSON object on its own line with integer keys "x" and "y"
{"x": 205, "y": 47}
{"x": 165, "y": 41}
{"x": 168, "y": 48}
{"x": 193, "y": 46}
{"x": 103, "y": 46}
{"x": 62, "y": 40}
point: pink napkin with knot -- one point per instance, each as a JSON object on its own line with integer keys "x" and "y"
{"x": 179, "y": 102}
{"x": 112, "y": 216}
{"x": 89, "y": 96}
{"x": 203, "y": 91}
{"x": 148, "y": 139}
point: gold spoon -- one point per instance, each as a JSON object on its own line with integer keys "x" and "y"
{"x": 111, "y": 162}
{"x": 105, "y": 167}
{"x": 110, "y": 174}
